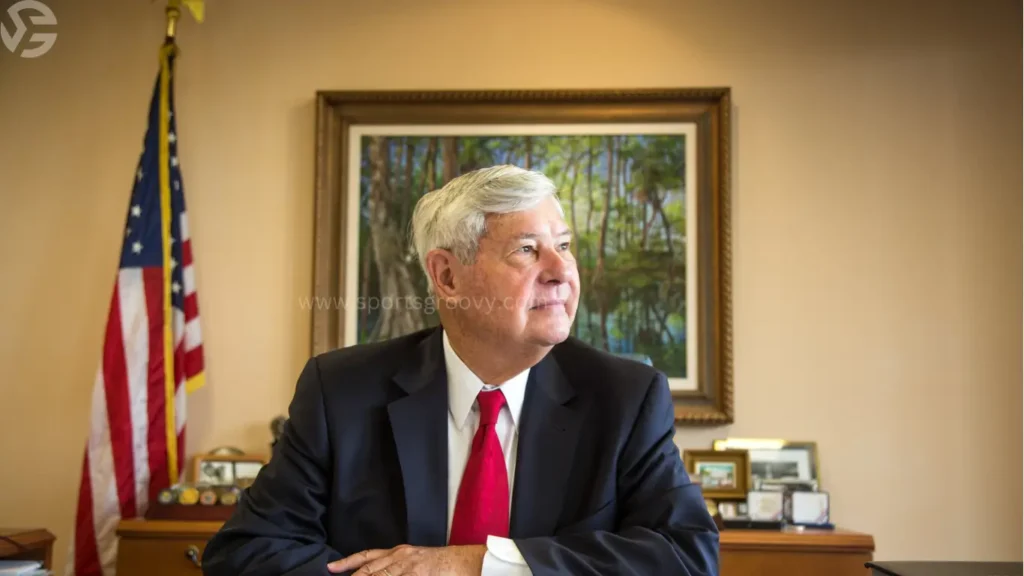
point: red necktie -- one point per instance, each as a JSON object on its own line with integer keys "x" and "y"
{"x": 482, "y": 505}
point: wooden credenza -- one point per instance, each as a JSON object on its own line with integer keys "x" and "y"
{"x": 767, "y": 553}
{"x": 162, "y": 547}
{"x": 167, "y": 548}
{"x": 27, "y": 544}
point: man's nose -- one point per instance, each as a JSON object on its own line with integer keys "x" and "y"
{"x": 557, "y": 266}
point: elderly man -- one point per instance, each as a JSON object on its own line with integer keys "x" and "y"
{"x": 494, "y": 445}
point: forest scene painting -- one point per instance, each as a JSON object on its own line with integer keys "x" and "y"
{"x": 624, "y": 196}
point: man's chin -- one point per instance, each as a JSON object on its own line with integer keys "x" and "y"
{"x": 551, "y": 334}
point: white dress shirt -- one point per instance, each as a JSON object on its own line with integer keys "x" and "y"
{"x": 503, "y": 557}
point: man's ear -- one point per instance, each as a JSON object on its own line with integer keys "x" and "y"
{"x": 443, "y": 267}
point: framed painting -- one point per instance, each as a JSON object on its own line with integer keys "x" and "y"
{"x": 723, "y": 474}
{"x": 643, "y": 177}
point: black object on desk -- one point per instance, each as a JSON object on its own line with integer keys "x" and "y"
{"x": 946, "y": 568}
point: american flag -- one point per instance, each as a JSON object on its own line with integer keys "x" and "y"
{"x": 152, "y": 350}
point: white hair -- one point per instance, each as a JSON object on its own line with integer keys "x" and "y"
{"x": 453, "y": 218}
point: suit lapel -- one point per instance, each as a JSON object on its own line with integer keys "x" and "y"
{"x": 548, "y": 433}
{"x": 419, "y": 424}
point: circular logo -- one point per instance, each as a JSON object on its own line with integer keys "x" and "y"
{"x": 38, "y": 43}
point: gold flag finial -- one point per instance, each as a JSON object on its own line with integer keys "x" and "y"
{"x": 173, "y": 13}
{"x": 195, "y": 7}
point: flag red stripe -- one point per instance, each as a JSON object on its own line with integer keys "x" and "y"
{"x": 87, "y": 560}
{"x": 119, "y": 416}
{"x": 152, "y": 279}
{"x": 186, "y": 253}
{"x": 194, "y": 361}
{"x": 191, "y": 306}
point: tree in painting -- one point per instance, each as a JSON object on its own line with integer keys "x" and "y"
{"x": 624, "y": 197}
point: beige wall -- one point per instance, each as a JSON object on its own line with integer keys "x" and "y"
{"x": 876, "y": 220}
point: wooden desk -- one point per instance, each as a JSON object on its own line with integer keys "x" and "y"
{"x": 27, "y": 544}
{"x": 161, "y": 548}
{"x": 767, "y": 553}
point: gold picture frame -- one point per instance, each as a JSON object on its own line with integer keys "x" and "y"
{"x": 724, "y": 474}
{"x": 685, "y": 329}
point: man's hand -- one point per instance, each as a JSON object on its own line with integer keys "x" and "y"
{"x": 408, "y": 560}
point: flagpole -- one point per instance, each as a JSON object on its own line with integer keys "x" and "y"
{"x": 164, "y": 184}
{"x": 167, "y": 53}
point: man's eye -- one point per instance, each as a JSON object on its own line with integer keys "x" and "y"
{"x": 526, "y": 249}
{"x": 564, "y": 245}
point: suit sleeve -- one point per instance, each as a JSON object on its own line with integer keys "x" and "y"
{"x": 277, "y": 527}
{"x": 663, "y": 525}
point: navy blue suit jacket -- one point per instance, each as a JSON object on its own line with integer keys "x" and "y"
{"x": 600, "y": 487}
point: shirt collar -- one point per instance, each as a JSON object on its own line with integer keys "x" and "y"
{"x": 464, "y": 386}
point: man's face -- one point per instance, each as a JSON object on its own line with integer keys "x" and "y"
{"x": 523, "y": 286}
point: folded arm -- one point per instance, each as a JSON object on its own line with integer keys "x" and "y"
{"x": 664, "y": 526}
{"x": 277, "y": 528}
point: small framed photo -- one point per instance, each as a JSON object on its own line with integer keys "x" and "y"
{"x": 810, "y": 508}
{"x": 723, "y": 474}
{"x": 728, "y": 510}
{"x": 226, "y": 469}
{"x": 769, "y": 506}
{"x": 246, "y": 472}
{"x": 215, "y": 473}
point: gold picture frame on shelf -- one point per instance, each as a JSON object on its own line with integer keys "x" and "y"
{"x": 723, "y": 474}
{"x": 777, "y": 463}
